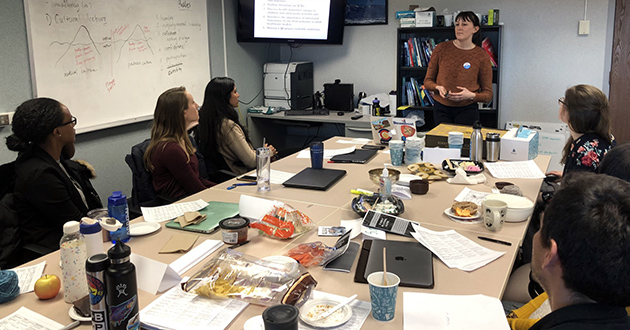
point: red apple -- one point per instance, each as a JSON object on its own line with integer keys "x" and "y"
{"x": 47, "y": 286}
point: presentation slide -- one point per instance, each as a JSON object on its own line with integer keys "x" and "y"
{"x": 299, "y": 19}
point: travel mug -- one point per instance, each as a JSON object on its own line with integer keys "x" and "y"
{"x": 317, "y": 154}
{"x": 493, "y": 146}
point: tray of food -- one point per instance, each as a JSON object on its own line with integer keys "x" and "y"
{"x": 469, "y": 166}
{"x": 427, "y": 171}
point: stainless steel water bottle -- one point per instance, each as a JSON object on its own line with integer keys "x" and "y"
{"x": 476, "y": 143}
{"x": 493, "y": 146}
{"x": 122, "y": 289}
{"x": 95, "y": 267}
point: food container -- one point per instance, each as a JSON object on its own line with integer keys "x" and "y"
{"x": 519, "y": 208}
{"x": 234, "y": 230}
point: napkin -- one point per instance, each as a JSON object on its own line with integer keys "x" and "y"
{"x": 179, "y": 243}
{"x": 190, "y": 218}
{"x": 462, "y": 178}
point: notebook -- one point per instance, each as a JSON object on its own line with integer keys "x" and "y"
{"x": 215, "y": 212}
{"x": 358, "y": 156}
{"x": 318, "y": 179}
{"x": 411, "y": 261}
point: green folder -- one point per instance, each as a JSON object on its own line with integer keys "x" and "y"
{"x": 215, "y": 212}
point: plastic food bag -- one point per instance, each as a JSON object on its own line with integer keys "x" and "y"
{"x": 310, "y": 254}
{"x": 232, "y": 274}
{"x": 283, "y": 221}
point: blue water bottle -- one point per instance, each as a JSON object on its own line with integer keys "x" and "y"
{"x": 118, "y": 209}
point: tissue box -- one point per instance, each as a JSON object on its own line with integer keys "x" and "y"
{"x": 425, "y": 18}
{"x": 513, "y": 148}
{"x": 438, "y": 136}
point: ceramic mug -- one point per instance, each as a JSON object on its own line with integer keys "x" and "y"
{"x": 494, "y": 214}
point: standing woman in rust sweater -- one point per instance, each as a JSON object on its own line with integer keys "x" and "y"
{"x": 460, "y": 74}
{"x": 170, "y": 156}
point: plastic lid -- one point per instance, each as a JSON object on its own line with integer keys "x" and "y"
{"x": 119, "y": 251}
{"x": 97, "y": 263}
{"x": 71, "y": 227}
{"x": 117, "y": 198}
{"x": 493, "y": 137}
{"x": 234, "y": 223}
{"x": 280, "y": 317}
{"x": 89, "y": 226}
{"x": 477, "y": 125}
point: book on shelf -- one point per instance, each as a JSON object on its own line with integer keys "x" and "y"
{"x": 486, "y": 44}
{"x": 429, "y": 96}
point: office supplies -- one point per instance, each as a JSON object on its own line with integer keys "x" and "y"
{"x": 318, "y": 179}
{"x": 215, "y": 212}
{"x": 358, "y": 156}
{"x": 307, "y": 112}
{"x": 494, "y": 240}
{"x": 411, "y": 261}
{"x": 241, "y": 184}
{"x": 237, "y": 245}
{"x": 71, "y": 325}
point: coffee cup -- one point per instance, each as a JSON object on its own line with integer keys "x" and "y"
{"x": 383, "y": 296}
{"x": 419, "y": 187}
{"x": 494, "y": 214}
{"x": 317, "y": 154}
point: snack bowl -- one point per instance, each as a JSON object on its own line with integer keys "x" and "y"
{"x": 361, "y": 204}
{"x": 376, "y": 173}
{"x": 519, "y": 208}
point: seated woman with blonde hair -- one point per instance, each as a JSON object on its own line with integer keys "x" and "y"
{"x": 170, "y": 156}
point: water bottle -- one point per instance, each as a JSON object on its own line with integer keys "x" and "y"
{"x": 376, "y": 107}
{"x": 385, "y": 182}
{"x": 72, "y": 251}
{"x": 121, "y": 289}
{"x": 118, "y": 209}
{"x": 91, "y": 230}
{"x": 476, "y": 143}
{"x": 95, "y": 267}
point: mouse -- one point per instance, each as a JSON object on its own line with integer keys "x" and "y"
{"x": 340, "y": 113}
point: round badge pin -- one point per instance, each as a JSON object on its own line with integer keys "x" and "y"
{"x": 466, "y": 65}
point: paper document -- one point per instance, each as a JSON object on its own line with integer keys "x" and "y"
{"x": 190, "y": 259}
{"x": 177, "y": 309}
{"x": 469, "y": 195}
{"x": 276, "y": 177}
{"x": 508, "y": 170}
{"x": 328, "y": 153}
{"x": 455, "y": 250}
{"x": 25, "y": 318}
{"x": 171, "y": 211}
{"x": 437, "y": 312}
{"x": 354, "y": 141}
{"x": 27, "y": 276}
{"x": 360, "y": 311}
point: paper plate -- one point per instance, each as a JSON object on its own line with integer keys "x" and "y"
{"x": 456, "y": 218}
{"x": 254, "y": 323}
{"x": 312, "y": 309}
{"x": 75, "y": 316}
{"x": 143, "y": 228}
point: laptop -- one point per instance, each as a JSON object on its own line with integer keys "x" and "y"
{"x": 411, "y": 261}
{"x": 215, "y": 212}
{"x": 358, "y": 156}
{"x": 317, "y": 179}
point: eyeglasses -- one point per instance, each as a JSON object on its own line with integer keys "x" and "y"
{"x": 561, "y": 102}
{"x": 73, "y": 121}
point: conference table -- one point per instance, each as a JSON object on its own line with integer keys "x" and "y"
{"x": 328, "y": 208}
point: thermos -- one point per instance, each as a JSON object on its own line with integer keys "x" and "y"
{"x": 121, "y": 289}
{"x": 493, "y": 146}
{"x": 95, "y": 267}
{"x": 476, "y": 143}
{"x": 118, "y": 209}
{"x": 72, "y": 251}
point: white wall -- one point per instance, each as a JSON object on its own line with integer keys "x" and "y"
{"x": 542, "y": 54}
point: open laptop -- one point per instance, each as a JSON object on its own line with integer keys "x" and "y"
{"x": 215, "y": 212}
{"x": 318, "y": 179}
{"x": 411, "y": 261}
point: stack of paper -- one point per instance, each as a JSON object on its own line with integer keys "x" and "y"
{"x": 455, "y": 250}
{"x": 171, "y": 211}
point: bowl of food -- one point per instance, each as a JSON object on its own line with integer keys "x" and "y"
{"x": 384, "y": 204}
{"x": 519, "y": 208}
{"x": 469, "y": 166}
{"x": 376, "y": 173}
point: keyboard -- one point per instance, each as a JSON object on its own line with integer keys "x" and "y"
{"x": 308, "y": 112}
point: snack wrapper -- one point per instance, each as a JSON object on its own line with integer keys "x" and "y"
{"x": 234, "y": 275}
{"x": 310, "y": 254}
{"x": 283, "y": 221}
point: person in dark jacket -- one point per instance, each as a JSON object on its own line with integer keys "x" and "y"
{"x": 50, "y": 189}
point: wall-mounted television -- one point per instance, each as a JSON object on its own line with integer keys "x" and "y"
{"x": 291, "y": 21}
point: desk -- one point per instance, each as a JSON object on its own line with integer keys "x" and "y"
{"x": 291, "y": 133}
{"x": 327, "y": 208}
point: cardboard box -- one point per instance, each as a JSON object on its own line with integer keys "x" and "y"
{"x": 513, "y": 148}
{"x": 425, "y": 18}
{"x": 438, "y": 136}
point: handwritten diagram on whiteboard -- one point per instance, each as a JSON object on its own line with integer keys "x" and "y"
{"x": 109, "y": 60}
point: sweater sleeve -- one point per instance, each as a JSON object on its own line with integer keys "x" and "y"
{"x": 176, "y": 161}
{"x": 237, "y": 144}
{"x": 430, "y": 78}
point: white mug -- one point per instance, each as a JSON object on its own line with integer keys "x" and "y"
{"x": 493, "y": 214}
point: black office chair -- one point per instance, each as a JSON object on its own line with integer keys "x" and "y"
{"x": 142, "y": 191}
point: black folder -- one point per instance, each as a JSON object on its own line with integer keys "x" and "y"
{"x": 411, "y": 261}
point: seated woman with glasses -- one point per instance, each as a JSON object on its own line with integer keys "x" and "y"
{"x": 170, "y": 157}
{"x": 50, "y": 189}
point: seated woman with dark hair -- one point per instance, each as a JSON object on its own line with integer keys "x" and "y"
{"x": 50, "y": 189}
{"x": 170, "y": 156}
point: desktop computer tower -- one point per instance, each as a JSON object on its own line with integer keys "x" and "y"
{"x": 288, "y": 85}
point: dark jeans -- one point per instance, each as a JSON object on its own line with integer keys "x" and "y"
{"x": 466, "y": 115}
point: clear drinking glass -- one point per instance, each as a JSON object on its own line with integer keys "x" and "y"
{"x": 263, "y": 168}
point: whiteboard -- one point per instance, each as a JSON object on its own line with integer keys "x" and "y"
{"x": 109, "y": 60}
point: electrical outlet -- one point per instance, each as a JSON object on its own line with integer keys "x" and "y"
{"x": 4, "y": 119}
{"x": 584, "y": 27}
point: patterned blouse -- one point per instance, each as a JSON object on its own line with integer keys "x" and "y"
{"x": 586, "y": 153}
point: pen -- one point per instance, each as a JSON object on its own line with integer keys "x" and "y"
{"x": 241, "y": 184}
{"x": 71, "y": 325}
{"x": 494, "y": 240}
{"x": 237, "y": 245}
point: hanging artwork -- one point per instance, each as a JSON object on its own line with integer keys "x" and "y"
{"x": 366, "y": 12}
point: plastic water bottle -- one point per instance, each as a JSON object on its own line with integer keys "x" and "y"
{"x": 376, "y": 107}
{"x": 385, "y": 182}
{"x": 122, "y": 289}
{"x": 118, "y": 209}
{"x": 476, "y": 143}
{"x": 91, "y": 230}
{"x": 72, "y": 250}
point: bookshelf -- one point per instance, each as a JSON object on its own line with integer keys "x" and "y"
{"x": 489, "y": 115}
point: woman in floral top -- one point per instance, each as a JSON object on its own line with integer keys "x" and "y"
{"x": 584, "y": 109}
